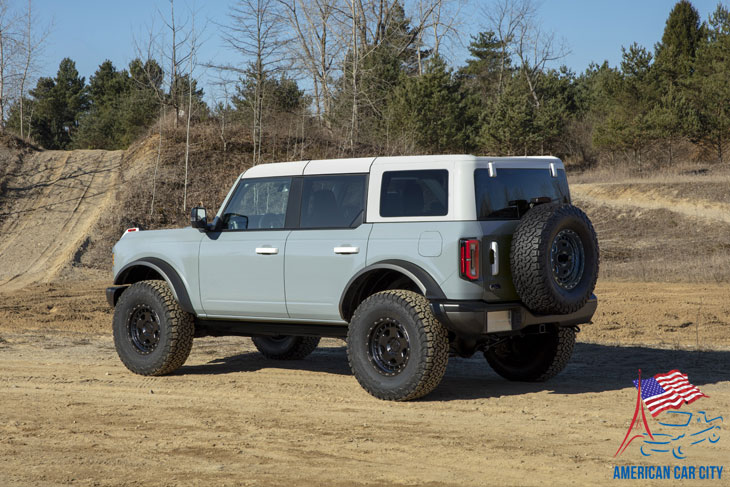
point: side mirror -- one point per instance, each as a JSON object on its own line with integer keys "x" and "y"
{"x": 198, "y": 218}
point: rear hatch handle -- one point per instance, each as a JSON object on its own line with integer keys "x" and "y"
{"x": 494, "y": 257}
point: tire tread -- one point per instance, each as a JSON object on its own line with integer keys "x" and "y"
{"x": 181, "y": 325}
{"x": 528, "y": 258}
{"x": 434, "y": 342}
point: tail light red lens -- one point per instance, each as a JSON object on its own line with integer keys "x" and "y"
{"x": 469, "y": 264}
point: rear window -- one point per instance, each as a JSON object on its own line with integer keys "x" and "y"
{"x": 501, "y": 197}
{"x": 415, "y": 193}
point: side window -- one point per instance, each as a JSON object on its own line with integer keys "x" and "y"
{"x": 257, "y": 204}
{"x": 333, "y": 201}
{"x": 415, "y": 193}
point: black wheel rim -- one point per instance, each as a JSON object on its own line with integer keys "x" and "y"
{"x": 388, "y": 346}
{"x": 144, "y": 329}
{"x": 567, "y": 259}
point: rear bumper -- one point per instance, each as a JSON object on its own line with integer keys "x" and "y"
{"x": 113, "y": 293}
{"x": 476, "y": 318}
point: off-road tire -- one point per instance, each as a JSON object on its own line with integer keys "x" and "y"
{"x": 285, "y": 347}
{"x": 428, "y": 345}
{"x": 530, "y": 259}
{"x": 532, "y": 358}
{"x": 176, "y": 329}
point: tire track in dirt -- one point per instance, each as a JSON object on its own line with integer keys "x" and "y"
{"x": 625, "y": 196}
{"x": 50, "y": 217}
{"x": 14, "y": 224}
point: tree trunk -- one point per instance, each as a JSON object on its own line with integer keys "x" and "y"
{"x": 2, "y": 79}
{"x": 187, "y": 138}
{"x": 157, "y": 161}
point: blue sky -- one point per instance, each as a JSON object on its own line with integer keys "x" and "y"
{"x": 90, "y": 31}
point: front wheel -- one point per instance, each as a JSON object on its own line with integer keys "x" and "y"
{"x": 535, "y": 357}
{"x": 396, "y": 348}
{"x": 285, "y": 347}
{"x": 152, "y": 334}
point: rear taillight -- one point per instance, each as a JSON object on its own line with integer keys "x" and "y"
{"x": 469, "y": 263}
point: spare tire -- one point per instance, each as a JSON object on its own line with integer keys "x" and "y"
{"x": 554, "y": 259}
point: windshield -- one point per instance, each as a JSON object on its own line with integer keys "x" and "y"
{"x": 506, "y": 196}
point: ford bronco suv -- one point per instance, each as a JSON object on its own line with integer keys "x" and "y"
{"x": 410, "y": 259}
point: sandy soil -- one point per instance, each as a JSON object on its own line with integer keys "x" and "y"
{"x": 71, "y": 413}
{"x": 48, "y": 207}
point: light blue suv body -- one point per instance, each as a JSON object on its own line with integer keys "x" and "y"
{"x": 411, "y": 259}
{"x": 303, "y": 243}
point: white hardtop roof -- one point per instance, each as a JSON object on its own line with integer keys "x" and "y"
{"x": 364, "y": 164}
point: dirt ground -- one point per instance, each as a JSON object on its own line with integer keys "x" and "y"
{"x": 70, "y": 413}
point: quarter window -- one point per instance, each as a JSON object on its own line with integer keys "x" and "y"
{"x": 414, "y": 193}
{"x": 258, "y": 204}
{"x": 333, "y": 201}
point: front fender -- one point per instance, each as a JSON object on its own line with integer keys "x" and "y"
{"x": 168, "y": 273}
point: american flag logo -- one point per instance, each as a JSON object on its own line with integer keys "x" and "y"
{"x": 667, "y": 391}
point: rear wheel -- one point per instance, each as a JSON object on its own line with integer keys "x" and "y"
{"x": 285, "y": 347}
{"x": 152, "y": 334}
{"x": 396, "y": 348}
{"x": 532, "y": 357}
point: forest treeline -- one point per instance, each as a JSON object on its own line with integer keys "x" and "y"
{"x": 375, "y": 77}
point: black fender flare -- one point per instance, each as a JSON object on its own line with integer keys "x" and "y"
{"x": 168, "y": 273}
{"x": 427, "y": 284}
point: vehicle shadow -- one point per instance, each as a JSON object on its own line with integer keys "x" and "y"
{"x": 330, "y": 360}
{"x": 593, "y": 368}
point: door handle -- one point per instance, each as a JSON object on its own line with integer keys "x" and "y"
{"x": 267, "y": 250}
{"x": 347, "y": 250}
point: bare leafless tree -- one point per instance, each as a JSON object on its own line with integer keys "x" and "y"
{"x": 151, "y": 77}
{"x": 505, "y": 17}
{"x": 445, "y": 23}
{"x": 33, "y": 39}
{"x": 222, "y": 100}
{"x": 177, "y": 55}
{"x": 8, "y": 52}
{"x": 315, "y": 49}
{"x": 193, "y": 46}
{"x": 256, "y": 33}
{"x": 516, "y": 24}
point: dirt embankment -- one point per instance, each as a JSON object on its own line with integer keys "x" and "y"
{"x": 49, "y": 206}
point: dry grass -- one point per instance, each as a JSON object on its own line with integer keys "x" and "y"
{"x": 670, "y": 226}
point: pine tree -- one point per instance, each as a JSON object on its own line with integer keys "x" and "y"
{"x": 57, "y": 107}
{"x": 710, "y": 88}
{"x": 119, "y": 108}
{"x": 626, "y": 124}
{"x": 671, "y": 116}
{"x": 682, "y": 36}
{"x": 429, "y": 109}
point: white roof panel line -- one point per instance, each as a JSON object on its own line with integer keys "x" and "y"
{"x": 366, "y": 164}
{"x": 273, "y": 169}
{"x": 339, "y": 166}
